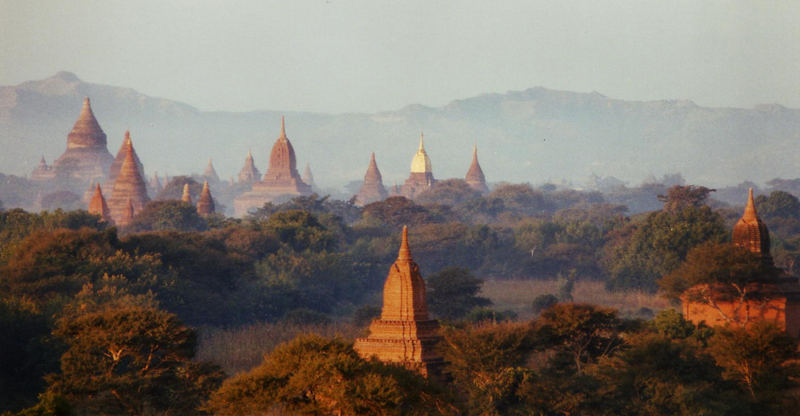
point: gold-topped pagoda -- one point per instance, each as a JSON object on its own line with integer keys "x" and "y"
{"x": 404, "y": 333}
{"x": 421, "y": 177}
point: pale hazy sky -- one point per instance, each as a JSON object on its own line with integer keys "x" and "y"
{"x": 340, "y": 56}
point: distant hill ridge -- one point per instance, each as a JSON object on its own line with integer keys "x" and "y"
{"x": 535, "y": 135}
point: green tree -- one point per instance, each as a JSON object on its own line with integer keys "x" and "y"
{"x": 450, "y": 192}
{"x": 582, "y": 332}
{"x": 715, "y": 273}
{"x": 315, "y": 375}
{"x": 638, "y": 255}
{"x": 453, "y": 292}
{"x": 125, "y": 356}
{"x": 488, "y": 365}
{"x": 168, "y": 215}
{"x": 761, "y": 357}
{"x": 679, "y": 197}
{"x": 655, "y": 375}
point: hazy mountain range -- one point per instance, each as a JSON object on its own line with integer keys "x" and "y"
{"x": 536, "y": 135}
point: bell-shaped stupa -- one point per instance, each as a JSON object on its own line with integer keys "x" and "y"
{"x": 87, "y": 157}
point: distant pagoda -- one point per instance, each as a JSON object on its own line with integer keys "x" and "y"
{"x": 43, "y": 171}
{"x": 210, "y": 174}
{"x": 186, "y": 196}
{"x": 249, "y": 173}
{"x": 98, "y": 206}
{"x": 126, "y": 146}
{"x": 129, "y": 192}
{"x": 280, "y": 180}
{"x": 308, "y": 177}
{"x": 372, "y": 189}
{"x": 421, "y": 177}
{"x": 404, "y": 334}
{"x": 474, "y": 177}
{"x": 205, "y": 203}
{"x": 87, "y": 157}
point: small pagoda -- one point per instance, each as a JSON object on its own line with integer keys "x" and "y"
{"x": 98, "y": 206}
{"x": 249, "y": 173}
{"x": 129, "y": 192}
{"x": 205, "y": 203}
{"x": 474, "y": 177}
{"x": 372, "y": 189}
{"x": 404, "y": 334}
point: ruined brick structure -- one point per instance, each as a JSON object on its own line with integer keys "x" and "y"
{"x": 774, "y": 299}
{"x": 372, "y": 189}
{"x": 474, "y": 177}
{"x": 281, "y": 179}
{"x": 404, "y": 333}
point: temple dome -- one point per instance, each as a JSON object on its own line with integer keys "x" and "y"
{"x": 86, "y": 132}
{"x": 421, "y": 163}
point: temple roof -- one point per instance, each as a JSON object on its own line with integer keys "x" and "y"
{"x": 86, "y": 132}
{"x": 373, "y": 173}
{"x": 421, "y": 163}
{"x": 750, "y": 232}
{"x": 474, "y": 176}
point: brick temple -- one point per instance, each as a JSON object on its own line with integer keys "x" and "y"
{"x": 404, "y": 333}
{"x": 775, "y": 298}
{"x": 372, "y": 189}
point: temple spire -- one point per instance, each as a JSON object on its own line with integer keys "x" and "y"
{"x": 205, "y": 203}
{"x": 283, "y": 129}
{"x": 404, "y": 253}
{"x": 750, "y": 209}
{"x": 421, "y": 142}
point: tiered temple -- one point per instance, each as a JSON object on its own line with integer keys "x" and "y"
{"x": 474, "y": 177}
{"x": 249, "y": 173}
{"x": 205, "y": 203}
{"x": 776, "y": 298}
{"x": 372, "y": 189}
{"x": 129, "y": 194}
{"x": 280, "y": 180}
{"x": 404, "y": 334}
{"x": 421, "y": 177}
{"x": 87, "y": 157}
{"x": 98, "y": 206}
